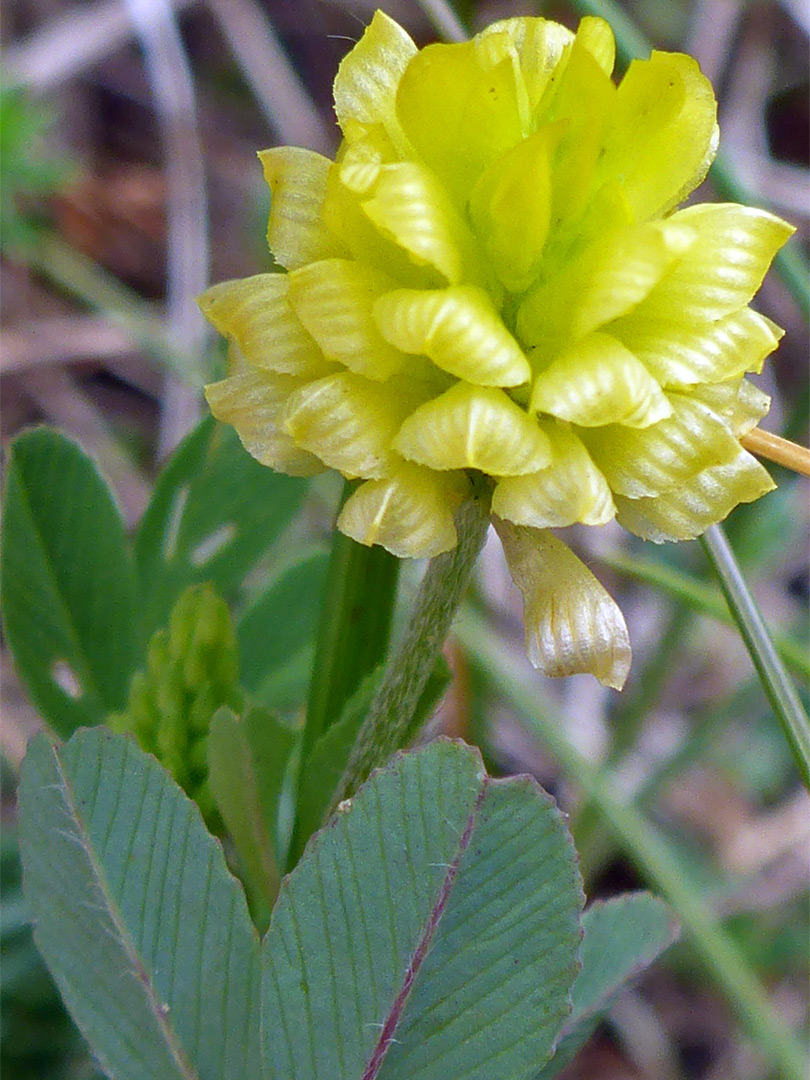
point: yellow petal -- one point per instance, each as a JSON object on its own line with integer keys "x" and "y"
{"x": 741, "y": 404}
{"x": 572, "y": 624}
{"x": 256, "y": 313}
{"x": 723, "y": 268}
{"x": 360, "y": 162}
{"x": 581, "y": 79}
{"x": 367, "y": 80}
{"x": 348, "y": 421}
{"x": 345, "y": 216}
{"x": 510, "y": 207}
{"x": 251, "y": 402}
{"x": 474, "y": 427}
{"x": 458, "y": 329}
{"x": 296, "y": 231}
{"x": 663, "y": 134}
{"x": 460, "y": 110}
{"x": 411, "y": 208}
{"x": 679, "y": 353}
{"x": 607, "y": 280}
{"x": 641, "y": 463}
{"x": 409, "y": 512}
{"x": 334, "y": 299}
{"x": 751, "y": 405}
{"x": 689, "y": 509}
{"x": 597, "y": 37}
{"x": 568, "y": 490}
{"x": 598, "y": 381}
{"x": 539, "y": 45}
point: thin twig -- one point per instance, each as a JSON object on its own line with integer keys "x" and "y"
{"x": 57, "y": 340}
{"x": 780, "y": 451}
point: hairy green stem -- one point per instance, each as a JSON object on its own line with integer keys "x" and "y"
{"x": 779, "y": 689}
{"x": 440, "y": 593}
{"x": 647, "y": 848}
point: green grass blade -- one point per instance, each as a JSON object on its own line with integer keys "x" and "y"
{"x": 776, "y": 683}
{"x": 646, "y": 847}
{"x": 355, "y": 627}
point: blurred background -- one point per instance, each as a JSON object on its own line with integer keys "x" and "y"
{"x": 129, "y": 181}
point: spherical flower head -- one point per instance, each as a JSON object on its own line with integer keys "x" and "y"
{"x": 490, "y": 291}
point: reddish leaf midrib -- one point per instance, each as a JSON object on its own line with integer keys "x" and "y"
{"x": 423, "y": 947}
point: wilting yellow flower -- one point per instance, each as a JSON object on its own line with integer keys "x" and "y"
{"x": 490, "y": 287}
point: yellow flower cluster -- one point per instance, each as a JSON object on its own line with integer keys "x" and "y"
{"x": 489, "y": 288}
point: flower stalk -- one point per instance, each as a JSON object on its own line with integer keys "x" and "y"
{"x": 440, "y": 593}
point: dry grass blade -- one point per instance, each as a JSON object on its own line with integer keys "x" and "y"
{"x": 187, "y": 270}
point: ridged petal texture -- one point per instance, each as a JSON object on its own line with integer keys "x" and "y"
{"x": 458, "y": 329}
{"x": 255, "y": 313}
{"x": 251, "y": 401}
{"x": 473, "y": 427}
{"x": 598, "y": 381}
{"x": 569, "y": 489}
{"x": 686, "y": 511}
{"x": 333, "y": 300}
{"x": 297, "y": 232}
{"x": 410, "y": 511}
{"x": 348, "y": 421}
{"x": 492, "y": 290}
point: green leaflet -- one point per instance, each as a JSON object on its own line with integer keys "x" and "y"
{"x": 214, "y": 513}
{"x": 622, "y": 937}
{"x": 429, "y": 931}
{"x": 144, "y": 929}
{"x": 68, "y": 587}
{"x": 247, "y": 766}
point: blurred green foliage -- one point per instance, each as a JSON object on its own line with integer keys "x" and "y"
{"x": 31, "y": 168}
